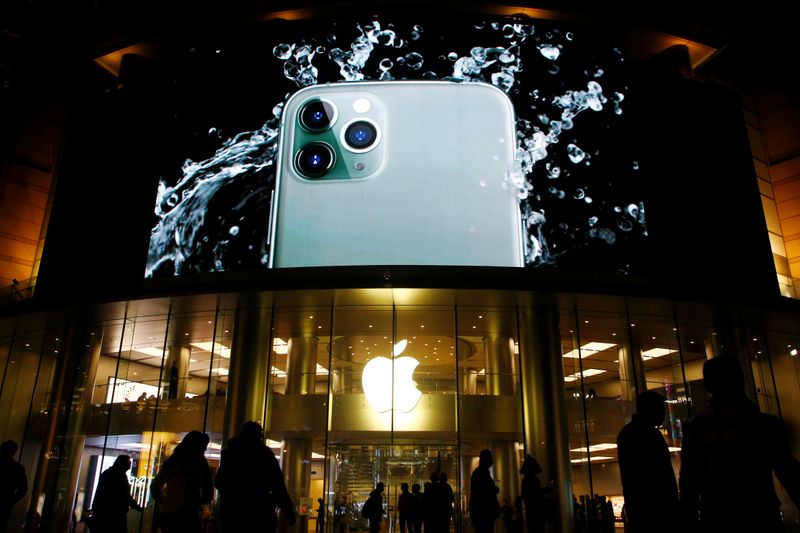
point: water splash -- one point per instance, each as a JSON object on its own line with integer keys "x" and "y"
{"x": 183, "y": 239}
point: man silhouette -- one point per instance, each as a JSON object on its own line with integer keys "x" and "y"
{"x": 373, "y": 508}
{"x": 730, "y": 451}
{"x": 13, "y": 482}
{"x": 483, "y": 506}
{"x": 405, "y": 505}
{"x": 251, "y": 484}
{"x": 113, "y": 499}
{"x": 648, "y": 480}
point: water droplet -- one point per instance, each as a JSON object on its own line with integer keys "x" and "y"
{"x": 576, "y": 155}
{"x": 282, "y": 51}
{"x": 635, "y": 165}
{"x": 588, "y": 199}
{"x": 569, "y": 36}
{"x": 549, "y": 52}
{"x": 503, "y": 80}
{"x": 553, "y": 171}
{"x": 478, "y": 54}
{"x": 418, "y": 28}
{"x": 414, "y": 61}
{"x": 495, "y": 25}
{"x": 480, "y": 25}
{"x": 624, "y": 223}
{"x": 331, "y": 38}
{"x": 579, "y": 194}
{"x": 320, "y": 49}
{"x": 234, "y": 230}
{"x": 452, "y": 56}
{"x": 508, "y": 31}
{"x": 430, "y": 75}
{"x": 505, "y": 57}
{"x": 592, "y": 221}
{"x": 385, "y": 64}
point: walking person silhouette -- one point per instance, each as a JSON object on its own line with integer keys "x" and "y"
{"x": 251, "y": 485}
{"x": 373, "y": 508}
{"x": 13, "y": 481}
{"x": 405, "y": 506}
{"x": 729, "y": 454}
{"x": 648, "y": 480}
{"x": 183, "y": 485}
{"x": 483, "y": 506}
{"x": 113, "y": 499}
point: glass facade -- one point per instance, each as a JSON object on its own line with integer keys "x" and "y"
{"x": 359, "y": 386}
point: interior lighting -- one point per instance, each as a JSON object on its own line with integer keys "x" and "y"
{"x": 151, "y": 351}
{"x": 596, "y": 447}
{"x": 219, "y": 349}
{"x": 656, "y": 352}
{"x": 586, "y": 373}
{"x": 593, "y": 459}
{"x": 590, "y": 348}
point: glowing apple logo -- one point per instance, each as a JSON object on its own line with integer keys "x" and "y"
{"x": 377, "y": 382}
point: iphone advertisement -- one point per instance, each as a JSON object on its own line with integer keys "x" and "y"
{"x": 491, "y": 142}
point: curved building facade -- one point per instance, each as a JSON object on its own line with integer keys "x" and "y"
{"x": 394, "y": 239}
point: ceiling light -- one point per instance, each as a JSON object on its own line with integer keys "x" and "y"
{"x": 588, "y": 349}
{"x": 151, "y": 351}
{"x": 596, "y": 447}
{"x": 593, "y": 459}
{"x": 656, "y": 352}
{"x": 219, "y": 349}
{"x": 280, "y": 346}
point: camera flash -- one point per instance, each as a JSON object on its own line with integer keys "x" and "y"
{"x": 360, "y": 166}
{"x": 361, "y": 105}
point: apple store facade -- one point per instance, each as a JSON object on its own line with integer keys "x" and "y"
{"x": 359, "y": 386}
{"x": 149, "y": 188}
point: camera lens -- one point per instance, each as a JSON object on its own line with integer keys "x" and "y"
{"x": 317, "y": 115}
{"x": 360, "y": 134}
{"x": 315, "y": 160}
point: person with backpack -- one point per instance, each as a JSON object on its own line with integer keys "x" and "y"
{"x": 373, "y": 508}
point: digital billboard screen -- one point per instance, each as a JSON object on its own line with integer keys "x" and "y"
{"x": 489, "y": 142}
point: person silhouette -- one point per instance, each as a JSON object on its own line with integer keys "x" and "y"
{"x": 729, "y": 452}
{"x": 418, "y": 508}
{"x": 483, "y": 506}
{"x": 13, "y": 481}
{"x": 112, "y": 499}
{"x": 373, "y": 508}
{"x": 532, "y": 495}
{"x": 251, "y": 484}
{"x": 320, "y": 515}
{"x": 432, "y": 503}
{"x": 446, "y": 500}
{"x": 405, "y": 505}
{"x": 648, "y": 480}
{"x": 183, "y": 485}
